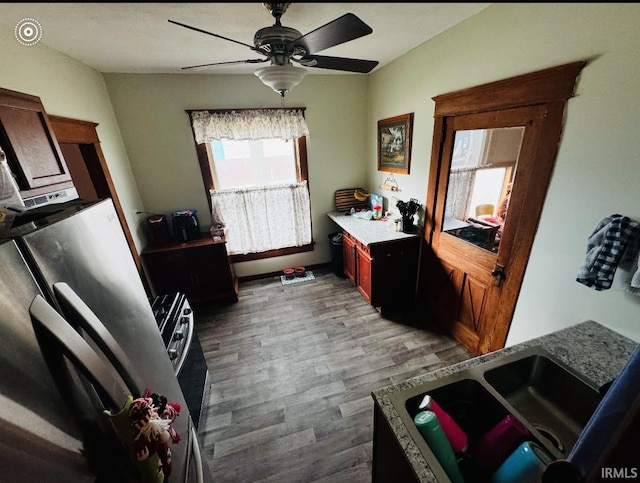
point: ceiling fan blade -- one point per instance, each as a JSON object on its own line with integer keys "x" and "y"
{"x": 338, "y": 31}
{"x": 209, "y": 33}
{"x": 248, "y": 61}
{"x": 338, "y": 63}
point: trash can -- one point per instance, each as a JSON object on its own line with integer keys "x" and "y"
{"x": 337, "y": 258}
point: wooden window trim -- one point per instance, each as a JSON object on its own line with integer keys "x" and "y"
{"x": 302, "y": 172}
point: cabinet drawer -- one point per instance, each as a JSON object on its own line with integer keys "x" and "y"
{"x": 364, "y": 248}
{"x": 354, "y": 241}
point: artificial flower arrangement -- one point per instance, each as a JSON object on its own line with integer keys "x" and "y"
{"x": 145, "y": 425}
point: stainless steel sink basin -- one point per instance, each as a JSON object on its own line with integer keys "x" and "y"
{"x": 550, "y": 396}
{"x": 552, "y": 401}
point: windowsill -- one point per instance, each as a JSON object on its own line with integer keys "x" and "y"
{"x": 271, "y": 253}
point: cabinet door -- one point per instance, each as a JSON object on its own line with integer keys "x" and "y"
{"x": 209, "y": 272}
{"x": 394, "y": 272}
{"x": 30, "y": 145}
{"x": 364, "y": 273}
{"x": 167, "y": 271}
{"x": 389, "y": 459}
{"x": 349, "y": 249}
{"x": 199, "y": 269}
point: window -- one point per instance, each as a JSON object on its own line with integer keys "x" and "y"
{"x": 483, "y": 163}
{"x": 252, "y": 163}
{"x": 254, "y": 170}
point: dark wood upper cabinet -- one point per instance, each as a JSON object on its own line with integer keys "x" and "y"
{"x": 31, "y": 148}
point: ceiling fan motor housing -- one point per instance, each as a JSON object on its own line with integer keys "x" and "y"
{"x": 275, "y": 39}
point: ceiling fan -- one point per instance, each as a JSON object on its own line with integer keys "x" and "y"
{"x": 282, "y": 45}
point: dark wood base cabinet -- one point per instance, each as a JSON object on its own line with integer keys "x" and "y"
{"x": 389, "y": 464}
{"x": 198, "y": 268}
{"x": 385, "y": 273}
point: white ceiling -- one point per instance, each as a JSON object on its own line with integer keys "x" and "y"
{"x": 137, "y": 37}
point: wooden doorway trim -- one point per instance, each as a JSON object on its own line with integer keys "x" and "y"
{"x": 84, "y": 134}
{"x": 541, "y": 87}
{"x": 548, "y": 89}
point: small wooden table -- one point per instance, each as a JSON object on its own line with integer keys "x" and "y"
{"x": 199, "y": 268}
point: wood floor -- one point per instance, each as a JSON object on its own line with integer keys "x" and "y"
{"x": 292, "y": 369}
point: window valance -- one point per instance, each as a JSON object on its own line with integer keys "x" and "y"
{"x": 248, "y": 124}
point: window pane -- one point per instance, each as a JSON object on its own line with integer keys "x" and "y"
{"x": 253, "y": 163}
{"x": 487, "y": 188}
{"x": 234, "y": 149}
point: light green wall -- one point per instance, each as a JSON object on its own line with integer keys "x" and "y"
{"x": 596, "y": 173}
{"x": 70, "y": 89}
{"x": 157, "y": 132}
{"x": 597, "y": 169}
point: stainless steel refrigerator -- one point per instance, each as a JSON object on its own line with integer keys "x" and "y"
{"x": 46, "y": 438}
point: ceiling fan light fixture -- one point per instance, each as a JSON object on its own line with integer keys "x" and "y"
{"x": 281, "y": 78}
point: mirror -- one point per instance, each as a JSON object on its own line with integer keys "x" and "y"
{"x": 482, "y": 170}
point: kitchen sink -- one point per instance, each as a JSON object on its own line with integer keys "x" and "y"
{"x": 549, "y": 398}
{"x": 469, "y": 403}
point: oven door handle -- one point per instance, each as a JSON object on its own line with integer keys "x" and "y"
{"x": 187, "y": 344}
{"x": 197, "y": 456}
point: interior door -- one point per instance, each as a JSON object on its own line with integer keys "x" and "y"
{"x": 492, "y": 158}
{"x": 476, "y": 252}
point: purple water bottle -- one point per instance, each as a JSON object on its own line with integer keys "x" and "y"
{"x": 498, "y": 443}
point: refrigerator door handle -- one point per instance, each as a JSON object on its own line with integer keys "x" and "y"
{"x": 78, "y": 312}
{"x": 57, "y": 338}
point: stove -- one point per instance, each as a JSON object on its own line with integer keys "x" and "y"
{"x": 176, "y": 324}
{"x": 170, "y": 310}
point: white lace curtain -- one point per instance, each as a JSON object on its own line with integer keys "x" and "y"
{"x": 249, "y": 124}
{"x": 264, "y": 218}
{"x": 261, "y": 218}
{"x": 460, "y": 185}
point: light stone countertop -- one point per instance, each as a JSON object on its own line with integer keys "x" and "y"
{"x": 369, "y": 231}
{"x": 596, "y": 352}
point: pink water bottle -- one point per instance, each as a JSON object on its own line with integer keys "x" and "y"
{"x": 454, "y": 433}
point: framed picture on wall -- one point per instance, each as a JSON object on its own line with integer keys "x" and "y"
{"x": 394, "y": 143}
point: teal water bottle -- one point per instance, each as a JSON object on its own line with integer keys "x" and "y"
{"x": 431, "y": 430}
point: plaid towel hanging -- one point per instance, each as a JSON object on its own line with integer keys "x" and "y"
{"x": 605, "y": 248}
